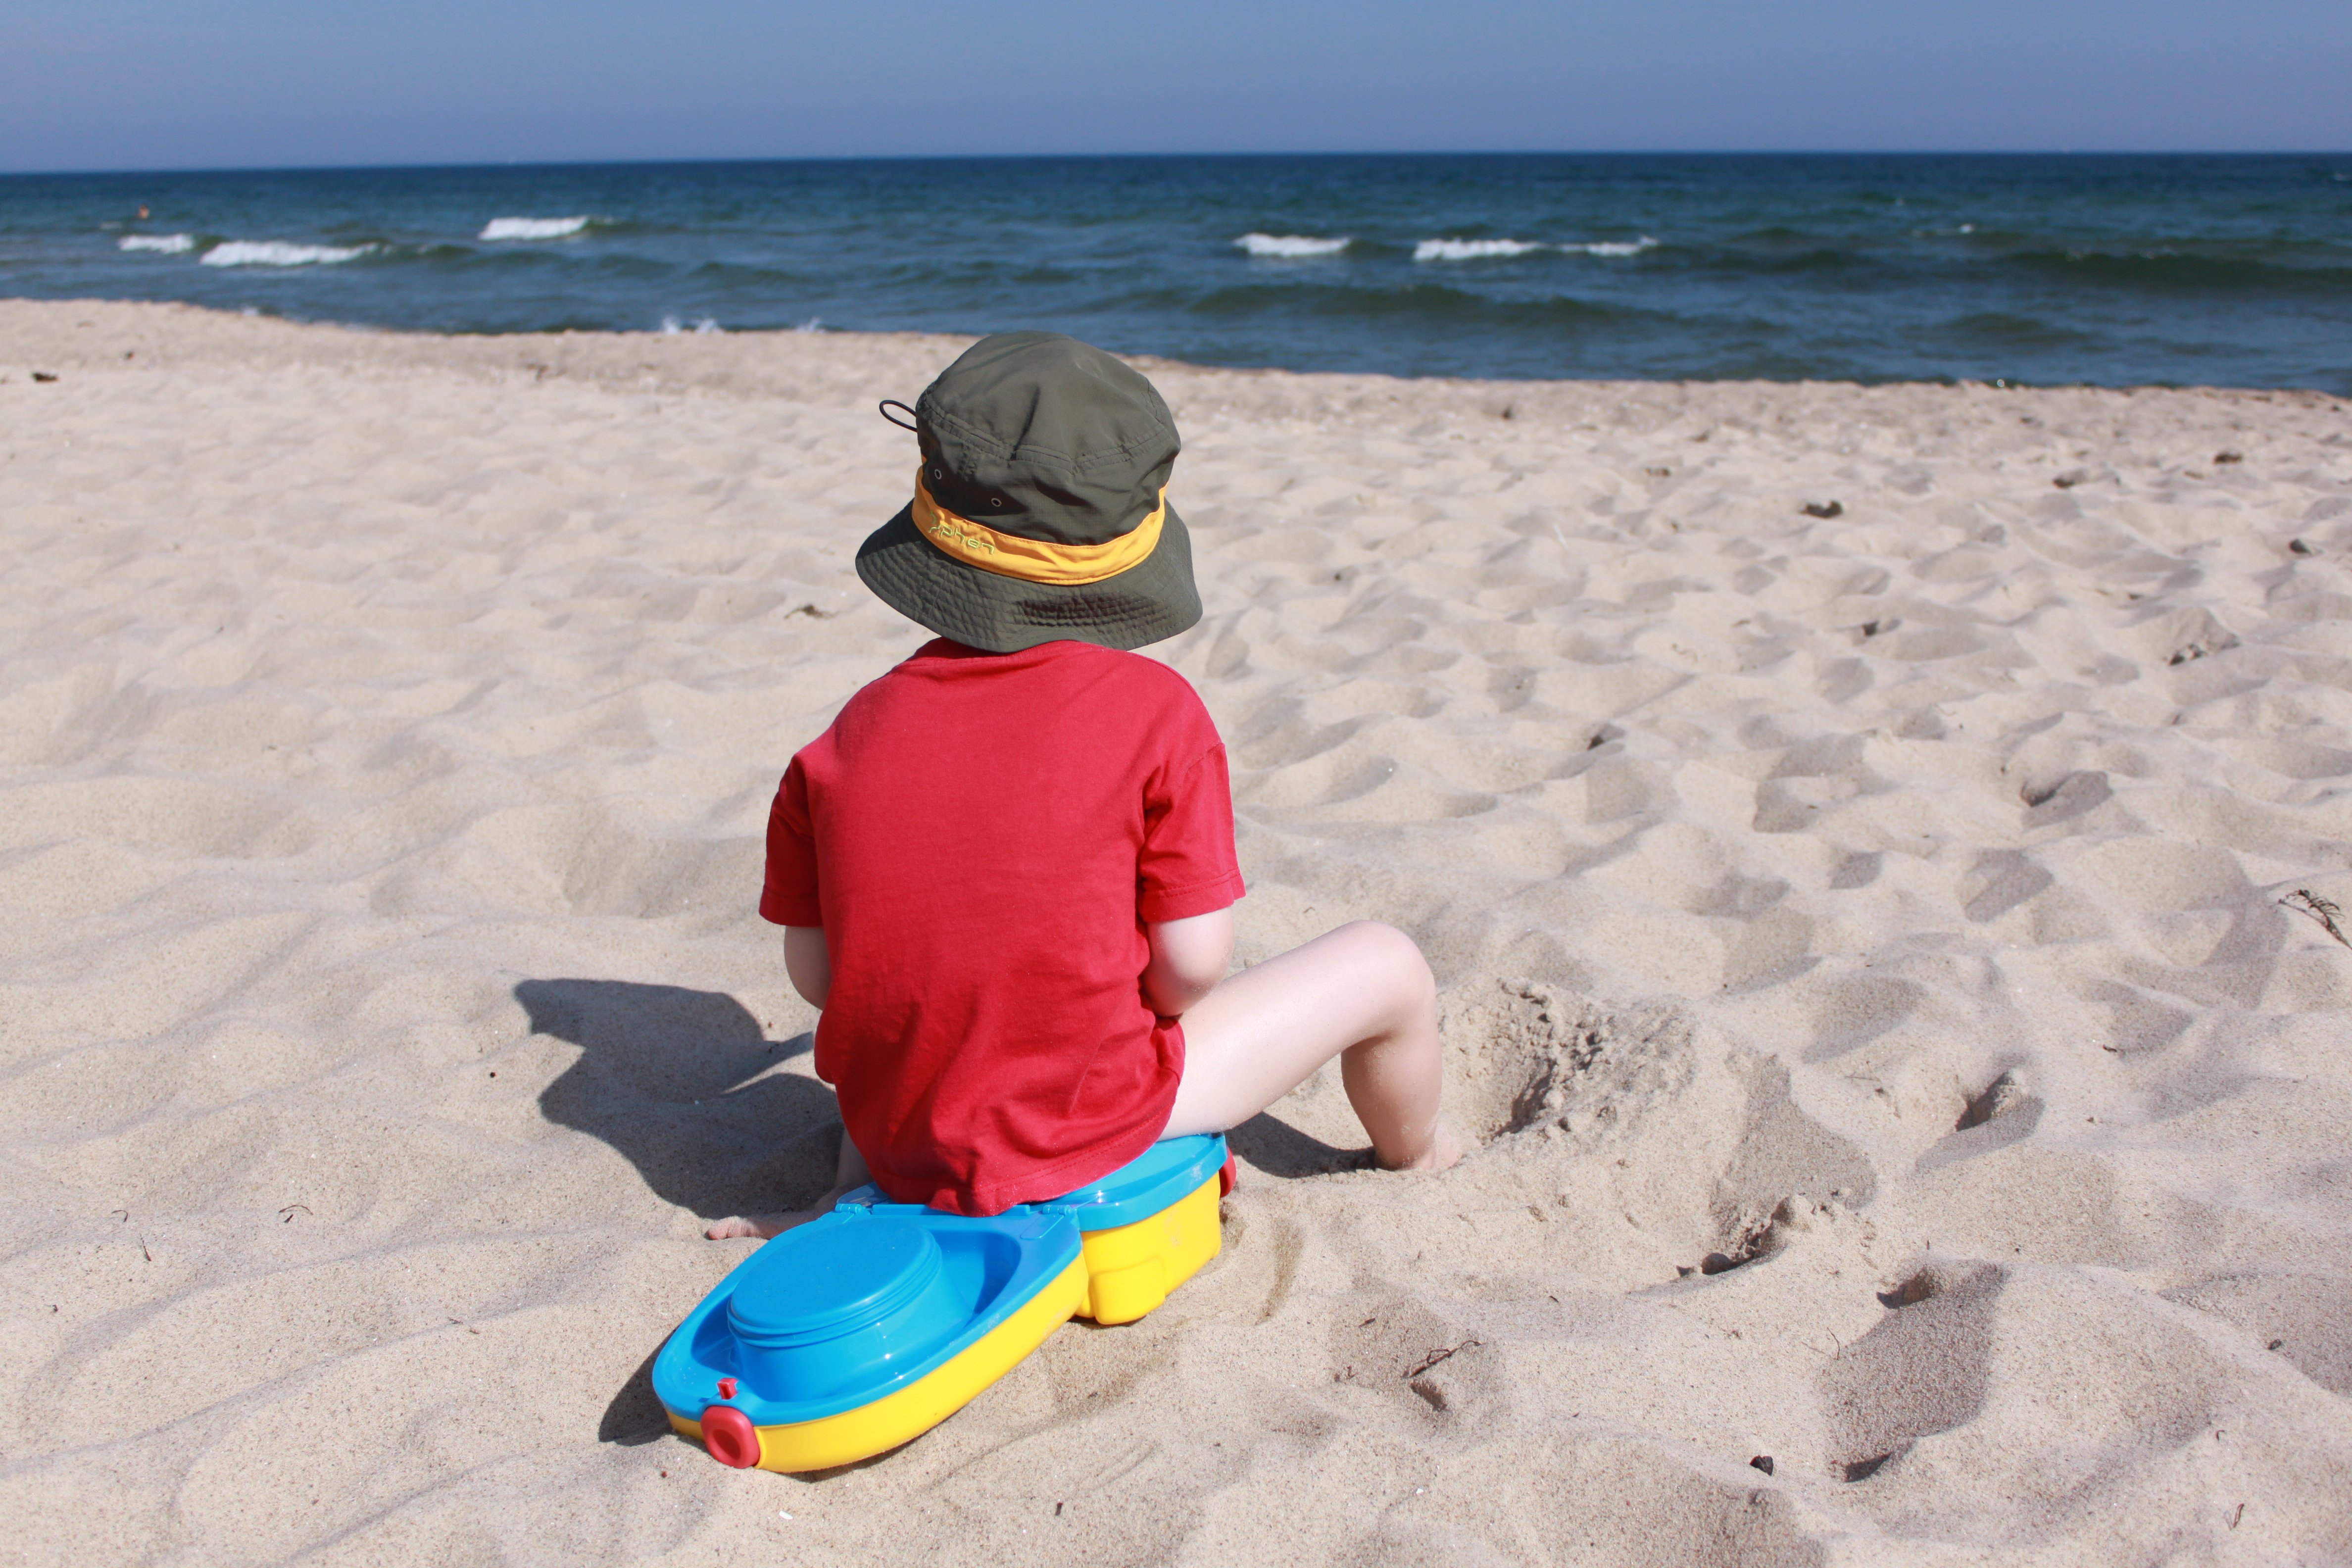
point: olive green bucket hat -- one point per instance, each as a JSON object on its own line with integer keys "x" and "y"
{"x": 1040, "y": 509}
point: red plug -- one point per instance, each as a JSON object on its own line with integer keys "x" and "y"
{"x": 729, "y": 1436}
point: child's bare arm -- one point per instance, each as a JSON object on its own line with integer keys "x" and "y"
{"x": 1188, "y": 958}
{"x": 808, "y": 963}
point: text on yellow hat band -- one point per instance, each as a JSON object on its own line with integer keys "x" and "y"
{"x": 1033, "y": 559}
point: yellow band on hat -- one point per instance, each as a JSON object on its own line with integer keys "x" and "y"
{"x": 1032, "y": 559}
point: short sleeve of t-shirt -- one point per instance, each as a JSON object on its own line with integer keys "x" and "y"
{"x": 789, "y": 897}
{"x": 1186, "y": 867}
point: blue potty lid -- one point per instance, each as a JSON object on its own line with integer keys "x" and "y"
{"x": 818, "y": 1281}
{"x": 1170, "y": 1169}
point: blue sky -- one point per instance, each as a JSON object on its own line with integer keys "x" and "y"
{"x": 99, "y": 84}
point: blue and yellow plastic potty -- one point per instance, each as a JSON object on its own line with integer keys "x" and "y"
{"x": 860, "y": 1330}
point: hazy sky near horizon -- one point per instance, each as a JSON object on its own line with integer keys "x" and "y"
{"x": 140, "y": 84}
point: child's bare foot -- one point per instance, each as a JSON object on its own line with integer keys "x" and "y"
{"x": 849, "y": 1174}
{"x": 764, "y": 1226}
{"x": 1444, "y": 1150}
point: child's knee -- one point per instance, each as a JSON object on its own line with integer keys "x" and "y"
{"x": 1395, "y": 958}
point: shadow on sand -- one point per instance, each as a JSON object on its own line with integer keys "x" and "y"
{"x": 672, "y": 1079}
{"x": 1282, "y": 1151}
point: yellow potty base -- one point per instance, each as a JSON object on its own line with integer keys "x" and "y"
{"x": 1130, "y": 1270}
{"x": 900, "y": 1417}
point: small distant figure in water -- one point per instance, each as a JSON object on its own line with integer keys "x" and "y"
{"x": 142, "y": 209}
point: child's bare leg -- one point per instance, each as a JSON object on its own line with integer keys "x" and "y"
{"x": 849, "y": 1174}
{"x": 1363, "y": 993}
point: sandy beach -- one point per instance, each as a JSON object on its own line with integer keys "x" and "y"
{"x": 1878, "y": 846}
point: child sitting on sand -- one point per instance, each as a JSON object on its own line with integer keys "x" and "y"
{"x": 1006, "y": 872}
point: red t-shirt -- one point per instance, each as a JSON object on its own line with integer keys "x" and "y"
{"x": 983, "y": 837}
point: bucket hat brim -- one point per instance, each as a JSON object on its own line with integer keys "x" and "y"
{"x": 1154, "y": 598}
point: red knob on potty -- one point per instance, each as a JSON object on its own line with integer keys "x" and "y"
{"x": 730, "y": 1435}
{"x": 1229, "y": 1177}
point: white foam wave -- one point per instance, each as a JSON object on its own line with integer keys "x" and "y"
{"x": 671, "y": 327}
{"x": 278, "y": 253}
{"x": 1471, "y": 249}
{"x": 1613, "y": 247}
{"x": 533, "y": 228}
{"x": 1291, "y": 245}
{"x": 169, "y": 244}
{"x": 1486, "y": 250}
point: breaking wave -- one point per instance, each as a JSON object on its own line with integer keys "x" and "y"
{"x": 1472, "y": 249}
{"x": 531, "y": 227}
{"x": 1488, "y": 250}
{"x": 168, "y": 244}
{"x": 1291, "y": 246}
{"x": 279, "y": 253}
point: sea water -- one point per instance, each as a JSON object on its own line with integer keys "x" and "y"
{"x": 2037, "y": 269}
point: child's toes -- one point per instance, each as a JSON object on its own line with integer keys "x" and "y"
{"x": 760, "y": 1226}
{"x": 738, "y": 1228}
